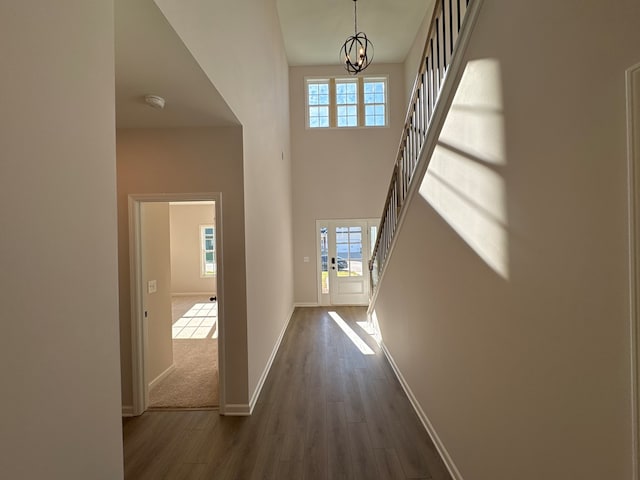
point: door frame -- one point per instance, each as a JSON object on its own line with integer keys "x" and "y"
{"x": 325, "y": 299}
{"x": 633, "y": 186}
{"x": 138, "y": 325}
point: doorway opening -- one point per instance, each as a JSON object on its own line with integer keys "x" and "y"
{"x": 343, "y": 252}
{"x": 177, "y": 301}
{"x": 633, "y": 152}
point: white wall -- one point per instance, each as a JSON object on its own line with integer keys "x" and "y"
{"x": 188, "y": 160}
{"x": 156, "y": 267}
{"x": 505, "y": 304}
{"x": 185, "y": 221}
{"x": 413, "y": 59}
{"x": 61, "y": 416}
{"x": 338, "y": 173}
{"x": 239, "y": 46}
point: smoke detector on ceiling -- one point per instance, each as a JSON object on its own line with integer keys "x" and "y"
{"x": 154, "y": 101}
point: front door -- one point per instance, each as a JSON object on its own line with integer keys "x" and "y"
{"x": 344, "y": 249}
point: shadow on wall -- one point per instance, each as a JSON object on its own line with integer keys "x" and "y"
{"x": 464, "y": 182}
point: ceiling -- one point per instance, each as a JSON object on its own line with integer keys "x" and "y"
{"x": 151, "y": 58}
{"x": 314, "y": 30}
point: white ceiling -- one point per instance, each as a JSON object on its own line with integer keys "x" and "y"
{"x": 151, "y": 58}
{"x": 314, "y": 30}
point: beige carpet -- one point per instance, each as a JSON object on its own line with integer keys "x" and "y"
{"x": 194, "y": 382}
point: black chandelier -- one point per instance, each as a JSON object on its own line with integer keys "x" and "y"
{"x": 357, "y": 51}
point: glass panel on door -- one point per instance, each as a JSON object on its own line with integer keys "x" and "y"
{"x": 324, "y": 260}
{"x": 349, "y": 251}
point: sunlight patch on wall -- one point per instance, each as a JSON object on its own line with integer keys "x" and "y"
{"x": 464, "y": 183}
{"x": 475, "y": 122}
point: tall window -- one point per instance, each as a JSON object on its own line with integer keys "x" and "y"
{"x": 375, "y": 102}
{"x": 346, "y": 102}
{"x": 207, "y": 250}
{"x": 318, "y": 103}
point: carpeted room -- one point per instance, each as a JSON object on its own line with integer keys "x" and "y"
{"x": 179, "y": 260}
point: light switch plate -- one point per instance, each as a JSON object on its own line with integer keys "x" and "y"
{"x": 306, "y": 259}
{"x": 152, "y": 286}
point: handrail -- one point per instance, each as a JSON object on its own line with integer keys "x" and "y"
{"x": 446, "y": 23}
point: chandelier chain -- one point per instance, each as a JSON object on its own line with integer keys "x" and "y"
{"x": 355, "y": 16}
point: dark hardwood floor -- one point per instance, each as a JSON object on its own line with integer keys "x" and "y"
{"x": 327, "y": 411}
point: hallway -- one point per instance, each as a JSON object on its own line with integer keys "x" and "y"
{"x": 331, "y": 408}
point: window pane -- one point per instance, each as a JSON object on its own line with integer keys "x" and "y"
{"x": 324, "y": 122}
{"x": 317, "y": 103}
{"x": 208, "y": 256}
{"x": 208, "y": 231}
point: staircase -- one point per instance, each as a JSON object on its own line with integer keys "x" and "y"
{"x": 433, "y": 90}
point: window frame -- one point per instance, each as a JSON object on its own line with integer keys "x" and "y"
{"x": 333, "y": 105}
{"x": 204, "y": 251}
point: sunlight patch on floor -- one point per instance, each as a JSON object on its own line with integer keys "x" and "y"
{"x": 200, "y": 322}
{"x": 353, "y": 336}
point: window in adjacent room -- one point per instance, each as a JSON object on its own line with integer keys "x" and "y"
{"x": 207, "y": 250}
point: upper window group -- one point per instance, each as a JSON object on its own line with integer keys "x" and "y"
{"x": 346, "y": 102}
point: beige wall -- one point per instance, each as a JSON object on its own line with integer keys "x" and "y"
{"x": 156, "y": 266}
{"x": 185, "y": 248}
{"x": 414, "y": 56}
{"x": 505, "y": 304}
{"x": 188, "y": 160}
{"x": 338, "y": 173}
{"x": 61, "y": 395}
{"x": 239, "y": 46}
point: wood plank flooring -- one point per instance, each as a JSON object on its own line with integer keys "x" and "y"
{"x": 327, "y": 411}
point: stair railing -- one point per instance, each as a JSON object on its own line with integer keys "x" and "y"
{"x": 447, "y": 23}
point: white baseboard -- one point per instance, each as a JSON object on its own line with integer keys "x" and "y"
{"x": 193, "y": 294}
{"x": 444, "y": 454}
{"x": 267, "y": 368}
{"x": 237, "y": 410}
{"x": 303, "y": 304}
{"x": 127, "y": 411}
{"x": 160, "y": 377}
